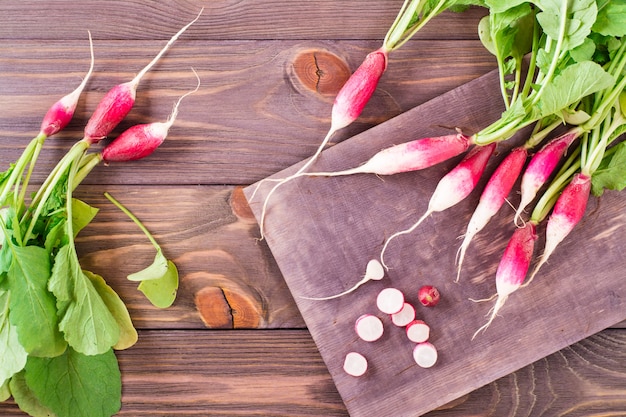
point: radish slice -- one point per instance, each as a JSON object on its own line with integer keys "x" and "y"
{"x": 417, "y": 331}
{"x": 425, "y": 354}
{"x": 404, "y": 316}
{"x": 369, "y": 327}
{"x": 355, "y": 364}
{"x": 390, "y": 300}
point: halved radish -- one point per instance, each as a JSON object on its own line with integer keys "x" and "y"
{"x": 417, "y": 331}
{"x": 390, "y": 300}
{"x": 425, "y": 354}
{"x": 355, "y": 364}
{"x": 369, "y": 327}
{"x": 404, "y": 316}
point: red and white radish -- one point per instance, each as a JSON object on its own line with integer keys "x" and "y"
{"x": 568, "y": 210}
{"x": 455, "y": 186}
{"x": 418, "y": 331}
{"x": 541, "y": 167}
{"x": 390, "y": 300}
{"x": 141, "y": 140}
{"x": 404, "y": 316}
{"x": 118, "y": 102}
{"x": 513, "y": 267}
{"x": 369, "y": 327}
{"x": 425, "y": 354}
{"x": 60, "y": 113}
{"x": 428, "y": 295}
{"x": 355, "y": 364}
{"x": 492, "y": 198}
{"x": 373, "y": 272}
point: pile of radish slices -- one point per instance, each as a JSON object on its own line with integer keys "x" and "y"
{"x": 370, "y": 328}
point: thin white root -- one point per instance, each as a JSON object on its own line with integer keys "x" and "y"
{"x": 460, "y": 254}
{"x": 542, "y": 260}
{"x": 403, "y": 232}
{"x": 373, "y": 272}
{"x": 494, "y": 312}
{"x": 482, "y": 300}
{"x": 348, "y": 291}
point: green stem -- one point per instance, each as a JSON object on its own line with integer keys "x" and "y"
{"x": 134, "y": 219}
{"x": 400, "y": 38}
{"x": 18, "y": 169}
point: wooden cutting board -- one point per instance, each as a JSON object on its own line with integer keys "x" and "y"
{"x": 322, "y": 231}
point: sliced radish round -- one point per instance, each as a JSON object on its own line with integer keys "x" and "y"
{"x": 369, "y": 327}
{"x": 404, "y": 316}
{"x": 390, "y": 300}
{"x": 425, "y": 354}
{"x": 417, "y": 331}
{"x": 355, "y": 364}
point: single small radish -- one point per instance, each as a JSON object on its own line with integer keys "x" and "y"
{"x": 355, "y": 364}
{"x": 373, "y": 272}
{"x": 60, "y": 113}
{"x": 141, "y": 140}
{"x": 455, "y": 186}
{"x": 390, "y": 300}
{"x": 417, "y": 331}
{"x": 118, "y": 102}
{"x": 542, "y": 165}
{"x": 425, "y": 354}
{"x": 404, "y": 316}
{"x": 428, "y": 295}
{"x": 369, "y": 327}
{"x": 410, "y": 156}
{"x": 568, "y": 210}
{"x": 513, "y": 267}
{"x": 492, "y": 198}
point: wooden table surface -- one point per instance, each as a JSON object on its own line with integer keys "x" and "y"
{"x": 234, "y": 343}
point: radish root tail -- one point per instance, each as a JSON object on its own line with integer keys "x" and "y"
{"x": 494, "y": 312}
{"x": 403, "y": 232}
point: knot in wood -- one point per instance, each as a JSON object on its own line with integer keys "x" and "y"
{"x": 321, "y": 71}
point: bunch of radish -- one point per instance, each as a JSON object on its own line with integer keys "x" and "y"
{"x": 392, "y": 303}
{"x": 59, "y": 322}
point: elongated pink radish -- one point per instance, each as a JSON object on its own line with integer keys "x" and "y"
{"x": 513, "y": 267}
{"x": 417, "y": 331}
{"x": 455, "y": 186}
{"x": 142, "y": 140}
{"x": 568, "y": 210}
{"x": 60, "y": 113}
{"x": 541, "y": 167}
{"x": 355, "y": 364}
{"x": 404, "y": 316}
{"x": 373, "y": 272}
{"x": 369, "y": 327}
{"x": 390, "y": 300}
{"x": 118, "y": 102}
{"x": 492, "y": 198}
{"x": 425, "y": 354}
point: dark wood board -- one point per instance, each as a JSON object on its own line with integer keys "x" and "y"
{"x": 322, "y": 231}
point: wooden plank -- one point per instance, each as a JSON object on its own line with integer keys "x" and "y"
{"x": 280, "y": 373}
{"x": 221, "y": 19}
{"x": 322, "y": 231}
{"x": 247, "y": 88}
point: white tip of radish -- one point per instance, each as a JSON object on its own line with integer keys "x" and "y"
{"x": 425, "y": 354}
{"x": 404, "y": 316}
{"x": 369, "y": 327}
{"x": 374, "y": 270}
{"x": 355, "y": 364}
{"x": 417, "y": 331}
{"x": 390, "y": 300}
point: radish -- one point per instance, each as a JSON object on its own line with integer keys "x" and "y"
{"x": 542, "y": 165}
{"x": 452, "y": 188}
{"x": 417, "y": 331}
{"x": 390, "y": 300}
{"x": 355, "y": 364}
{"x": 513, "y": 267}
{"x": 118, "y": 102}
{"x": 374, "y": 271}
{"x": 141, "y": 140}
{"x": 404, "y": 316}
{"x": 425, "y": 354}
{"x": 369, "y": 327}
{"x": 492, "y": 198}
{"x": 428, "y": 296}
{"x": 61, "y": 112}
